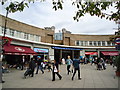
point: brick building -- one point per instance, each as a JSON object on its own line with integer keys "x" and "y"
{"x": 46, "y": 42}
{"x": 25, "y": 31}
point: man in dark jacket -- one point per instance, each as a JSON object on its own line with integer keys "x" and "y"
{"x": 39, "y": 66}
{"x": 76, "y": 66}
{"x": 32, "y": 66}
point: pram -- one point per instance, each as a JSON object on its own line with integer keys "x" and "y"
{"x": 99, "y": 66}
{"x": 27, "y": 72}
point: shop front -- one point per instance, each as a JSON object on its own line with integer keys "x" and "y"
{"x": 13, "y": 54}
{"x": 89, "y": 54}
{"x": 44, "y": 53}
{"x": 63, "y": 52}
{"x": 108, "y": 55}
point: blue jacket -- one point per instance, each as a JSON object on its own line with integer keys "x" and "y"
{"x": 69, "y": 61}
{"x": 76, "y": 63}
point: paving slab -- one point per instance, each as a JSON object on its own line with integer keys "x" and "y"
{"x": 91, "y": 78}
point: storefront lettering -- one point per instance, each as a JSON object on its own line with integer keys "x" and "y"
{"x": 19, "y": 49}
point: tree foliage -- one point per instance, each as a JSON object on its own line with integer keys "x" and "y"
{"x": 97, "y": 9}
{"x": 93, "y": 8}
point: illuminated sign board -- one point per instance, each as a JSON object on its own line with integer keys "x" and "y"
{"x": 66, "y": 48}
{"x": 41, "y": 50}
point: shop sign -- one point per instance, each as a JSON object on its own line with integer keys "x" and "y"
{"x": 67, "y": 48}
{"x": 117, "y": 41}
{"x": 20, "y": 49}
{"x": 41, "y": 50}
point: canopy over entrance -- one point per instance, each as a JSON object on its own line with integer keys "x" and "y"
{"x": 91, "y": 53}
{"x": 110, "y": 53}
{"x": 18, "y": 50}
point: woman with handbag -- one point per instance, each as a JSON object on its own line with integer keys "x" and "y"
{"x": 55, "y": 71}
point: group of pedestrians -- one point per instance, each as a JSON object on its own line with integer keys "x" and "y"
{"x": 33, "y": 65}
{"x": 74, "y": 64}
{"x": 100, "y": 63}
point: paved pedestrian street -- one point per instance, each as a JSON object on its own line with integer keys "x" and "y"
{"x": 91, "y": 78}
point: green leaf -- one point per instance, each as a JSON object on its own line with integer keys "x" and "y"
{"x": 74, "y": 18}
{"x": 27, "y": 5}
{"x": 7, "y": 8}
{"x": 54, "y": 2}
{"x": 73, "y": 3}
{"x": 107, "y": 17}
{"x": 77, "y": 6}
{"x": 2, "y": 2}
{"x": 54, "y": 7}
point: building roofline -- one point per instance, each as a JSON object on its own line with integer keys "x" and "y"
{"x": 49, "y": 44}
{"x": 22, "y": 22}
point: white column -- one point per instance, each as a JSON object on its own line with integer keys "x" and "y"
{"x": 98, "y": 52}
{"x": 0, "y": 29}
{"x": 22, "y": 35}
{"x": 83, "y": 43}
{"x": 15, "y": 34}
{"x": 111, "y": 44}
{"x": 39, "y": 39}
{"x": 32, "y": 47}
{"x": 92, "y": 43}
{"x": 51, "y": 54}
{"x": 97, "y": 43}
{"x": 75, "y": 43}
{"x": 28, "y": 36}
{"x": 101, "y": 43}
{"x": 34, "y": 37}
{"x": 106, "y": 43}
{"x": 88, "y": 43}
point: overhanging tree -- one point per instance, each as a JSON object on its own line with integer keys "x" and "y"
{"x": 93, "y": 7}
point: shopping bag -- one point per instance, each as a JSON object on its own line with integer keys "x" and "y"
{"x": 55, "y": 69}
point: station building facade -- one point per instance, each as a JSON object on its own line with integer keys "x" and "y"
{"x": 48, "y": 44}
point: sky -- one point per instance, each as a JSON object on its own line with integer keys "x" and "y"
{"x": 41, "y": 14}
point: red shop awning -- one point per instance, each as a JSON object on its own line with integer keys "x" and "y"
{"x": 18, "y": 50}
{"x": 91, "y": 53}
{"x": 110, "y": 53}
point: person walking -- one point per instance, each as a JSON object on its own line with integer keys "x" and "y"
{"x": 23, "y": 62}
{"x": 68, "y": 62}
{"x": 49, "y": 65}
{"x": 76, "y": 66}
{"x": 32, "y": 66}
{"x": 91, "y": 60}
{"x": 39, "y": 65}
{"x": 63, "y": 61}
{"x": 98, "y": 63}
{"x": 103, "y": 64}
{"x": 55, "y": 71}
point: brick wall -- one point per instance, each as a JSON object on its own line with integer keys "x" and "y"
{"x": 19, "y": 26}
{"x": 47, "y": 36}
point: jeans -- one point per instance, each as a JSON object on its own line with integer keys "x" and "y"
{"x": 68, "y": 69}
{"x": 39, "y": 67}
{"x": 57, "y": 75}
{"x": 76, "y": 69}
